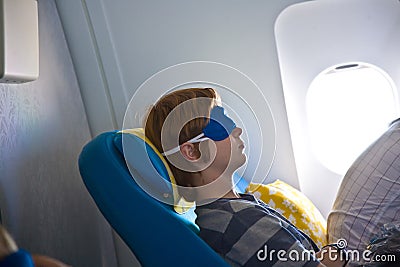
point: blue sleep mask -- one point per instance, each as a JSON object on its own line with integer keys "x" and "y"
{"x": 220, "y": 125}
{"x": 218, "y": 128}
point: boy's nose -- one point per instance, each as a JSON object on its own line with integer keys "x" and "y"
{"x": 237, "y": 131}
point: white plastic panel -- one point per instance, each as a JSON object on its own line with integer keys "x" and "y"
{"x": 19, "y": 41}
{"x": 314, "y": 36}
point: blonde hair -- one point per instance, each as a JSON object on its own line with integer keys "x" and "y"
{"x": 159, "y": 112}
{"x": 7, "y": 243}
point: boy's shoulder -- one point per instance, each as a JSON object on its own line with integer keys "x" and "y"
{"x": 232, "y": 205}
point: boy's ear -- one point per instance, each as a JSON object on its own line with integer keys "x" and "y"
{"x": 189, "y": 152}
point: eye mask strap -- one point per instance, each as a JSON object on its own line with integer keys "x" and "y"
{"x": 196, "y": 139}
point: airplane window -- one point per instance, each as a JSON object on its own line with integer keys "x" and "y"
{"x": 348, "y": 107}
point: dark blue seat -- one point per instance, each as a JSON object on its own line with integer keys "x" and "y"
{"x": 20, "y": 258}
{"x": 155, "y": 233}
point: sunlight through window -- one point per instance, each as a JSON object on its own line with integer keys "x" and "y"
{"x": 348, "y": 107}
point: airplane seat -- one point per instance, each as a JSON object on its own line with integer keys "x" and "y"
{"x": 20, "y": 258}
{"x": 155, "y": 233}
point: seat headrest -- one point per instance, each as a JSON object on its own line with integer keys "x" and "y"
{"x": 152, "y": 171}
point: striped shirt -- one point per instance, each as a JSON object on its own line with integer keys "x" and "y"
{"x": 369, "y": 195}
{"x": 247, "y": 232}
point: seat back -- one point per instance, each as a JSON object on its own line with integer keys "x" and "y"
{"x": 154, "y": 232}
{"x": 20, "y": 258}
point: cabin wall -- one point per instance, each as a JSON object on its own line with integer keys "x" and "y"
{"x": 43, "y": 127}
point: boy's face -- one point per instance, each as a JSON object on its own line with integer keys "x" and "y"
{"x": 229, "y": 154}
